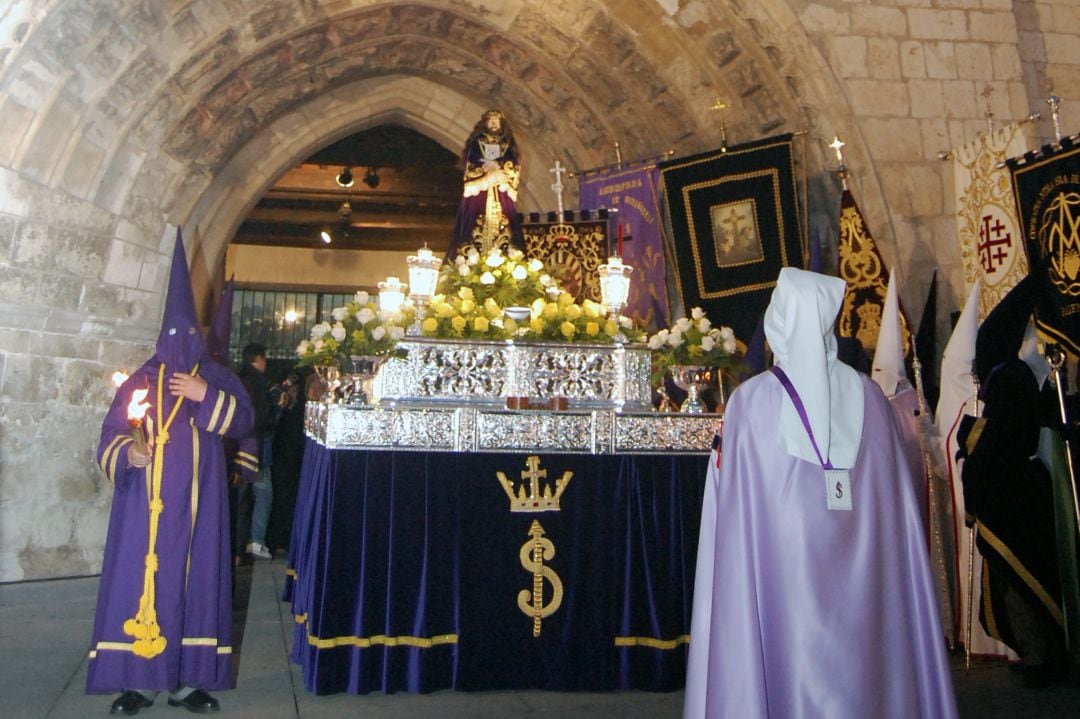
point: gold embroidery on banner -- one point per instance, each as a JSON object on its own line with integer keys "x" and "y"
{"x": 774, "y": 180}
{"x": 532, "y": 498}
{"x": 1059, "y": 238}
{"x": 991, "y": 241}
{"x": 572, "y": 251}
{"x": 653, "y": 642}
{"x": 532, "y": 554}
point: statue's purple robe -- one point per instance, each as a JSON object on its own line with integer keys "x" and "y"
{"x": 800, "y": 611}
{"x": 471, "y": 212}
{"x": 193, "y": 580}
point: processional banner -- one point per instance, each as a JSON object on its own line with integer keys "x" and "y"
{"x": 571, "y": 248}
{"x": 633, "y": 191}
{"x": 732, "y": 220}
{"x": 1047, "y": 189}
{"x": 860, "y": 265}
{"x": 991, "y": 241}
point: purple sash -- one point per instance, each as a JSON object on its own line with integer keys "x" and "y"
{"x": 784, "y": 380}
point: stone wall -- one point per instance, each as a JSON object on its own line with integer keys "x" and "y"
{"x": 122, "y": 120}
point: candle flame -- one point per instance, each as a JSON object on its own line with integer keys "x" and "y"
{"x": 119, "y": 377}
{"x": 137, "y": 408}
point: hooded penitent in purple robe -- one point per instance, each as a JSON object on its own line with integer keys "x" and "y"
{"x": 802, "y": 610}
{"x": 164, "y": 607}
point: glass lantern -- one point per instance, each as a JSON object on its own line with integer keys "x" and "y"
{"x": 423, "y": 277}
{"x": 391, "y": 294}
{"x": 615, "y": 285}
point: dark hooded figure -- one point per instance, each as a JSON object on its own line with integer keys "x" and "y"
{"x": 1008, "y": 493}
{"x": 163, "y": 620}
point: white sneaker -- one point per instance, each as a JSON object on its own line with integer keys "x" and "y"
{"x": 260, "y": 550}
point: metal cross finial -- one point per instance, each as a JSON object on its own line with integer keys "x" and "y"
{"x": 558, "y": 171}
{"x": 838, "y": 148}
{"x": 1055, "y": 107}
{"x": 720, "y": 106}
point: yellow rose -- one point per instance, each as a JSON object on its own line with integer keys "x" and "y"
{"x": 611, "y": 328}
{"x": 444, "y": 310}
{"x": 538, "y": 305}
{"x": 458, "y": 323}
{"x": 592, "y": 309}
{"x": 467, "y": 306}
{"x": 573, "y": 312}
{"x": 430, "y": 324}
{"x": 551, "y": 310}
{"x": 537, "y": 325}
{"x": 466, "y": 293}
{"x": 567, "y": 329}
{"x": 492, "y": 307}
{"x": 592, "y": 329}
{"x": 480, "y": 324}
{"x": 509, "y": 326}
{"x": 565, "y": 299}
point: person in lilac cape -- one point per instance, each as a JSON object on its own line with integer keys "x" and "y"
{"x": 487, "y": 216}
{"x": 164, "y": 609}
{"x": 813, "y": 595}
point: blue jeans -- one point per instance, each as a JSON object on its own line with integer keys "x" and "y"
{"x": 264, "y": 498}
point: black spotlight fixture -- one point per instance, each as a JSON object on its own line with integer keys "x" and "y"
{"x": 371, "y": 179}
{"x": 345, "y": 178}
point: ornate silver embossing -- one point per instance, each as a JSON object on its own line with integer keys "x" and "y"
{"x": 476, "y": 429}
{"x": 475, "y": 372}
{"x": 557, "y": 432}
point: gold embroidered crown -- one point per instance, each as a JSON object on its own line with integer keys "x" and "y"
{"x": 529, "y": 496}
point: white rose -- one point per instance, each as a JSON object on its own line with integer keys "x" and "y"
{"x": 463, "y": 270}
{"x": 626, "y": 322}
{"x": 656, "y": 342}
{"x": 535, "y": 265}
{"x": 487, "y": 279}
{"x": 302, "y": 348}
{"x": 704, "y": 324}
{"x": 707, "y": 343}
{"x": 364, "y": 316}
{"x": 729, "y": 345}
{"x": 339, "y": 313}
{"x": 520, "y": 273}
{"x": 362, "y": 298}
{"x": 319, "y": 331}
{"x": 494, "y": 259}
{"x": 474, "y": 258}
{"x": 675, "y": 339}
{"x": 378, "y": 333}
{"x": 682, "y": 324}
{"x": 545, "y": 280}
{"x": 727, "y": 334}
{"x": 318, "y": 345}
{"x": 397, "y": 333}
{"x": 697, "y": 313}
{"x": 515, "y": 254}
{"x": 338, "y": 332}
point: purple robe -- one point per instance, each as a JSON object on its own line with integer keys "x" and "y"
{"x": 469, "y": 226}
{"x": 800, "y": 611}
{"x": 192, "y": 585}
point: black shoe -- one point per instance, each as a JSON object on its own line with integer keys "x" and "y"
{"x": 130, "y": 703}
{"x": 197, "y": 701}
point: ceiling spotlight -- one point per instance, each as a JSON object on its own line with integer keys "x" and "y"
{"x": 345, "y": 178}
{"x": 371, "y": 179}
{"x": 325, "y": 237}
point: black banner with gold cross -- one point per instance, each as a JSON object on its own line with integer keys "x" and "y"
{"x": 1047, "y": 191}
{"x": 732, "y": 218}
{"x": 571, "y": 247}
{"x": 860, "y": 265}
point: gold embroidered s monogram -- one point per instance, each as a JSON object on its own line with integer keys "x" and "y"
{"x": 533, "y": 553}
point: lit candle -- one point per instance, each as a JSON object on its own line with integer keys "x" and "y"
{"x": 620, "y": 239}
{"x": 135, "y": 413}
